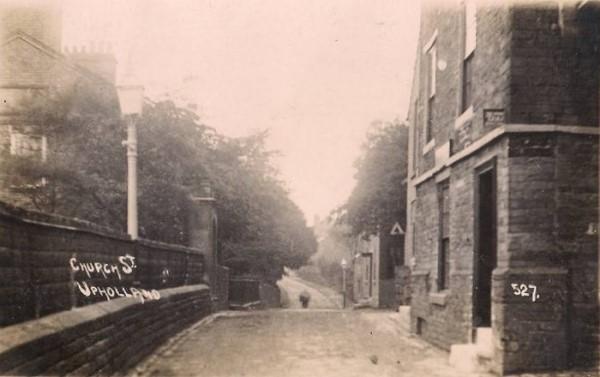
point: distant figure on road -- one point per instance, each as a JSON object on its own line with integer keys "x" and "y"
{"x": 304, "y": 298}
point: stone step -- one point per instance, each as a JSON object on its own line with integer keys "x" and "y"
{"x": 484, "y": 342}
{"x": 474, "y": 357}
{"x": 404, "y": 317}
{"x": 464, "y": 357}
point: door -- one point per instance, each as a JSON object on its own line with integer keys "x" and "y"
{"x": 367, "y": 281}
{"x": 485, "y": 257}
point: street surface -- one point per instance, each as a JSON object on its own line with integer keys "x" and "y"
{"x": 320, "y": 298}
{"x": 299, "y": 342}
{"x": 321, "y": 341}
{"x": 318, "y": 342}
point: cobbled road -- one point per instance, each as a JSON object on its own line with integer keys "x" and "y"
{"x": 317, "y": 342}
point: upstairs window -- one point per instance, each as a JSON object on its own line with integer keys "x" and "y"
{"x": 25, "y": 145}
{"x": 432, "y": 54}
{"x": 470, "y": 41}
{"x": 467, "y": 84}
{"x": 431, "y": 87}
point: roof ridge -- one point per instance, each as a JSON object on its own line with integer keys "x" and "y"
{"x": 19, "y": 34}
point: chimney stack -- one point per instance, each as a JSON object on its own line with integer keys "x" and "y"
{"x": 98, "y": 59}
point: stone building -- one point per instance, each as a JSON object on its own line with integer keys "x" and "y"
{"x": 503, "y": 183}
{"x": 31, "y": 62}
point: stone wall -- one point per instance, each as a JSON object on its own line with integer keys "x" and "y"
{"x": 402, "y": 285}
{"x": 448, "y": 313}
{"x": 554, "y": 50}
{"x": 222, "y": 288}
{"x": 537, "y": 65}
{"x": 552, "y": 245}
{"x": 100, "y": 339}
{"x": 37, "y": 278}
{"x": 491, "y": 73}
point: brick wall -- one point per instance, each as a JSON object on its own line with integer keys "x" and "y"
{"x": 553, "y": 203}
{"x": 539, "y": 63}
{"x": 577, "y": 210}
{"x": 102, "y": 339}
{"x": 554, "y": 64}
{"x": 37, "y": 279}
{"x": 536, "y": 63}
{"x": 448, "y": 314}
{"x": 444, "y": 20}
{"x": 491, "y": 72}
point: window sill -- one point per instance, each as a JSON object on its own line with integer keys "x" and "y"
{"x": 428, "y": 147}
{"x": 463, "y": 118}
{"x": 439, "y": 298}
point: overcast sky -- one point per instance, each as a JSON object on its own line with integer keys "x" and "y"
{"x": 316, "y": 73}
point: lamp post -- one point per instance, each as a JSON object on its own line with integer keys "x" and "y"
{"x": 344, "y": 265}
{"x": 131, "y": 98}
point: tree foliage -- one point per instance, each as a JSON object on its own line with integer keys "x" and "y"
{"x": 379, "y": 197}
{"x": 84, "y": 176}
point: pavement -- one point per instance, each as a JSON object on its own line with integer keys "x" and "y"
{"x": 321, "y": 341}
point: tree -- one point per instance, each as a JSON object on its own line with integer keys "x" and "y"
{"x": 379, "y": 197}
{"x": 260, "y": 228}
{"x": 83, "y": 173}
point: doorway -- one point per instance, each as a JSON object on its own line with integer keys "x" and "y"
{"x": 485, "y": 257}
{"x": 367, "y": 281}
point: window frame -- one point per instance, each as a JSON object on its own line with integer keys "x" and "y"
{"x": 443, "y": 262}
{"x": 18, "y": 141}
{"x": 469, "y": 29}
{"x": 467, "y": 83}
{"x": 430, "y": 50}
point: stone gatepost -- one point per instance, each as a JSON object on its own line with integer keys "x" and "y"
{"x": 202, "y": 228}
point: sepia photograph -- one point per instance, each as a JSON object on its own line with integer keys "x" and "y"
{"x": 302, "y": 188}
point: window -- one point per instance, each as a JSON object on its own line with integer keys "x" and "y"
{"x": 429, "y": 126}
{"x": 467, "y": 85}
{"x": 27, "y": 145}
{"x": 444, "y": 244}
{"x": 432, "y": 74}
{"x": 431, "y": 85}
{"x": 415, "y": 143}
{"x": 470, "y": 41}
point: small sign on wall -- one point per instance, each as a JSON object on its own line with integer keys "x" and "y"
{"x": 493, "y": 117}
{"x": 397, "y": 230}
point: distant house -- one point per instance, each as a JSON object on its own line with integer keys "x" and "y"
{"x": 31, "y": 62}
{"x": 377, "y": 270}
{"x": 503, "y": 192}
